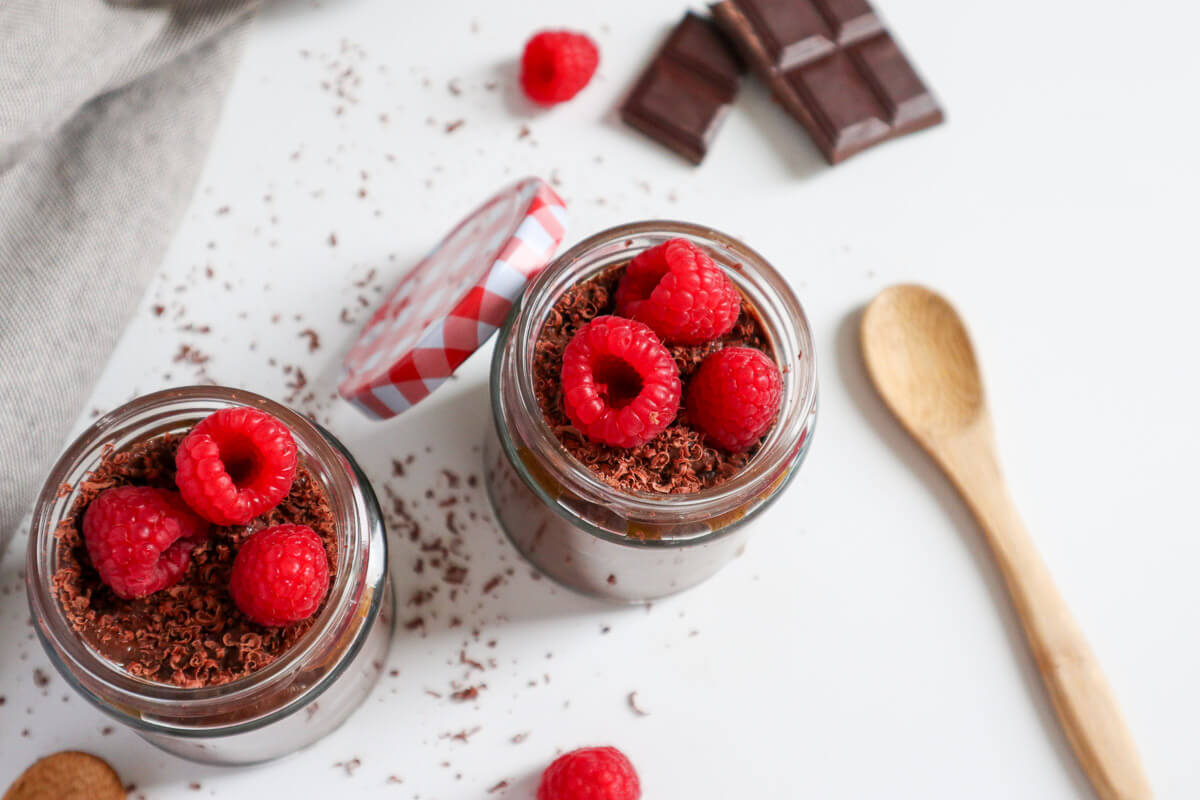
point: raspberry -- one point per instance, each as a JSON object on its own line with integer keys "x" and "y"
{"x": 235, "y": 464}
{"x": 679, "y": 291}
{"x": 590, "y": 773}
{"x": 280, "y": 575}
{"x": 620, "y": 385}
{"x": 140, "y": 539}
{"x": 557, "y": 65}
{"x": 734, "y": 396}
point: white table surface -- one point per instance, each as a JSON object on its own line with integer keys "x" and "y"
{"x": 863, "y": 646}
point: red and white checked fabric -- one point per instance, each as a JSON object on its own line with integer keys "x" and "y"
{"x": 453, "y": 300}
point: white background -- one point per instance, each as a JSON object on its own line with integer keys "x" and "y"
{"x": 863, "y": 646}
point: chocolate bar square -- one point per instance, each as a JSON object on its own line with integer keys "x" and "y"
{"x": 684, "y": 94}
{"x": 834, "y": 68}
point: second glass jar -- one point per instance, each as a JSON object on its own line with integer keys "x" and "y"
{"x": 626, "y": 546}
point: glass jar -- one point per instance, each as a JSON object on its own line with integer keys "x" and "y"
{"x": 308, "y": 690}
{"x": 616, "y": 544}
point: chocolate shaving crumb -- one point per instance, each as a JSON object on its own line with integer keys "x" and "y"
{"x": 520, "y": 737}
{"x": 40, "y": 678}
{"x": 461, "y": 736}
{"x": 498, "y": 787}
{"x": 634, "y": 707}
{"x": 462, "y": 695}
{"x": 451, "y": 127}
{"x": 314, "y": 339}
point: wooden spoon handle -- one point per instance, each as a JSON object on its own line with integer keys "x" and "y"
{"x": 1081, "y": 695}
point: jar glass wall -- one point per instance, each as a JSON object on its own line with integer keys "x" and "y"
{"x": 300, "y": 696}
{"x": 622, "y": 545}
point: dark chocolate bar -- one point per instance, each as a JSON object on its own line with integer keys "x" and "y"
{"x": 834, "y": 68}
{"x": 682, "y": 97}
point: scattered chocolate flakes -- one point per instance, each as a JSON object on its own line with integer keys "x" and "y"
{"x": 524, "y": 132}
{"x": 333, "y": 240}
{"x": 461, "y": 736}
{"x": 314, "y": 339}
{"x": 106, "y": 730}
{"x": 498, "y": 787}
{"x": 462, "y": 695}
{"x": 349, "y": 766}
{"x": 158, "y": 310}
{"x": 677, "y": 461}
{"x": 394, "y": 779}
{"x": 40, "y": 678}
{"x": 520, "y": 737}
{"x": 451, "y": 127}
{"x": 192, "y": 634}
{"x": 634, "y": 707}
{"x": 297, "y": 384}
{"x": 194, "y": 786}
{"x": 492, "y": 583}
{"x": 189, "y": 354}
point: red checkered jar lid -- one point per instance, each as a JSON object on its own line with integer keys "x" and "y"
{"x": 450, "y": 303}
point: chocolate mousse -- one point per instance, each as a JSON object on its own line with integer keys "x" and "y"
{"x": 191, "y": 634}
{"x": 678, "y": 460}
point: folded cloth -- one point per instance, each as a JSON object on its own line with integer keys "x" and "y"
{"x": 106, "y": 109}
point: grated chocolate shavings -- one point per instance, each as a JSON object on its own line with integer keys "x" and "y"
{"x": 677, "y": 461}
{"x": 190, "y": 634}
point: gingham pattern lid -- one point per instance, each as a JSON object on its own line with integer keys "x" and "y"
{"x": 453, "y": 300}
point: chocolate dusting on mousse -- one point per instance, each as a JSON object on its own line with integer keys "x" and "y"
{"x": 677, "y": 461}
{"x": 190, "y": 634}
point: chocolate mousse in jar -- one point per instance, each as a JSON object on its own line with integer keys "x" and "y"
{"x": 640, "y": 516}
{"x": 154, "y": 578}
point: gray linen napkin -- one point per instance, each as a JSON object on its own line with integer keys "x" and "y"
{"x": 106, "y": 110}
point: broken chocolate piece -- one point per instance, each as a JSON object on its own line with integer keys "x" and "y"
{"x": 834, "y": 68}
{"x": 681, "y": 99}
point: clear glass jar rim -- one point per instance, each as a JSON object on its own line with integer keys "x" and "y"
{"x": 800, "y": 391}
{"x": 347, "y": 587}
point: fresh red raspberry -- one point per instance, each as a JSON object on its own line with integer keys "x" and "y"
{"x": 734, "y": 396}
{"x": 679, "y": 291}
{"x": 590, "y": 773}
{"x": 280, "y": 575}
{"x": 557, "y": 65}
{"x": 235, "y": 464}
{"x": 620, "y": 385}
{"x": 140, "y": 539}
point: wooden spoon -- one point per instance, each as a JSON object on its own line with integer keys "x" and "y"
{"x": 920, "y": 359}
